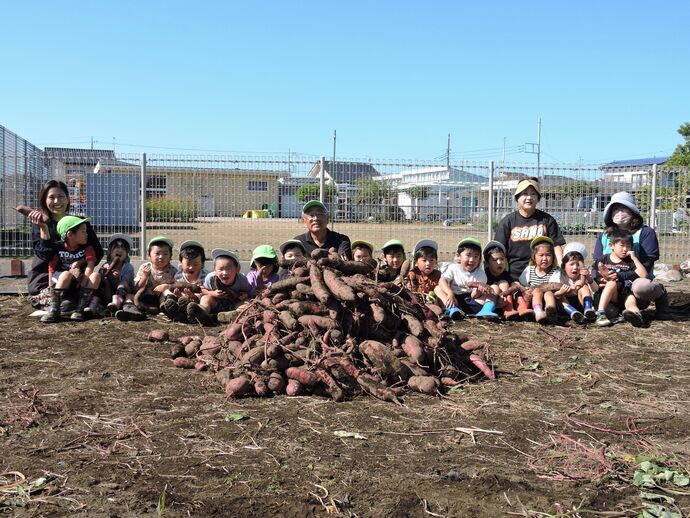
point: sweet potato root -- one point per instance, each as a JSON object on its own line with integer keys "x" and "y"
{"x": 293, "y": 388}
{"x": 320, "y": 290}
{"x": 238, "y": 387}
{"x": 184, "y": 363}
{"x": 158, "y": 335}
{"x": 305, "y": 377}
{"x": 424, "y": 384}
{"x": 479, "y": 362}
{"x": 337, "y": 287}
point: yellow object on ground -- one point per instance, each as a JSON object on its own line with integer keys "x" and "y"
{"x": 255, "y": 214}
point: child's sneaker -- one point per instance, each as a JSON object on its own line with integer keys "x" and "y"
{"x": 602, "y": 320}
{"x": 634, "y": 317}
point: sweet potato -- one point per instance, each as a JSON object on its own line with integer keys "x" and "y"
{"x": 321, "y": 323}
{"x": 254, "y": 356}
{"x": 276, "y": 383}
{"x": 192, "y": 347}
{"x": 177, "y": 350}
{"x": 414, "y": 348}
{"x": 355, "y": 267}
{"x": 415, "y": 370}
{"x": 383, "y": 317}
{"x": 184, "y": 363}
{"x": 320, "y": 290}
{"x": 414, "y": 326}
{"x": 479, "y": 362}
{"x": 234, "y": 332}
{"x": 376, "y": 389}
{"x": 238, "y": 387}
{"x": 307, "y": 308}
{"x": 293, "y": 388}
{"x": 279, "y": 297}
{"x": 200, "y": 365}
{"x": 424, "y": 384}
{"x": 235, "y": 348}
{"x": 337, "y": 287}
{"x": 184, "y": 340}
{"x": 210, "y": 345}
{"x": 472, "y": 345}
{"x": 224, "y": 375}
{"x": 331, "y": 386}
{"x": 261, "y": 388}
{"x": 382, "y": 358}
{"x": 305, "y": 377}
{"x": 435, "y": 309}
{"x": 288, "y": 284}
{"x": 158, "y": 335}
{"x": 318, "y": 253}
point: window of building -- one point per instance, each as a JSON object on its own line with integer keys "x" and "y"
{"x": 156, "y": 185}
{"x": 257, "y": 186}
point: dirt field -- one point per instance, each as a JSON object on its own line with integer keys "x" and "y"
{"x": 97, "y": 421}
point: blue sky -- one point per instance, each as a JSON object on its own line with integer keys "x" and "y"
{"x": 609, "y": 79}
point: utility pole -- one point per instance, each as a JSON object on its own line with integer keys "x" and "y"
{"x": 337, "y": 196}
{"x": 448, "y": 155}
{"x": 538, "y": 148}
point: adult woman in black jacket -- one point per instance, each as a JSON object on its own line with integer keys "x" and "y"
{"x": 54, "y": 205}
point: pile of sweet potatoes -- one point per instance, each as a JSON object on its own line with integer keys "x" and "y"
{"x": 331, "y": 329}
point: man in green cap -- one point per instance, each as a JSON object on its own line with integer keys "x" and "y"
{"x": 72, "y": 266}
{"x": 315, "y": 217}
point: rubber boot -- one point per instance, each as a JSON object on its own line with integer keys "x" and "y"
{"x": 524, "y": 311}
{"x": 575, "y": 315}
{"x": 115, "y": 304}
{"x": 84, "y": 299}
{"x": 487, "y": 311}
{"x": 510, "y": 313}
{"x": 53, "y": 314}
{"x": 91, "y": 311}
{"x": 590, "y": 312}
{"x": 129, "y": 313}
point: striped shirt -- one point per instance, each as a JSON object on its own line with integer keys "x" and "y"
{"x": 532, "y": 279}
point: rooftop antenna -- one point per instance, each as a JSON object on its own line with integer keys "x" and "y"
{"x": 448, "y": 155}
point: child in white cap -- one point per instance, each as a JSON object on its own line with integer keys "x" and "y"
{"x": 191, "y": 271}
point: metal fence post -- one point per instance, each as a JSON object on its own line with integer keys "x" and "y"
{"x": 490, "y": 207}
{"x": 652, "y": 208}
{"x": 322, "y": 176}
{"x": 142, "y": 238}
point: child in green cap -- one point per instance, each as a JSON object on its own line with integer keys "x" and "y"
{"x": 393, "y": 259}
{"x": 72, "y": 265}
{"x": 264, "y": 268}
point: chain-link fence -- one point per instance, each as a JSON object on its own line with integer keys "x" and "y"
{"x": 240, "y": 202}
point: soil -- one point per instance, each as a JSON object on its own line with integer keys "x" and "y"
{"x": 94, "y": 419}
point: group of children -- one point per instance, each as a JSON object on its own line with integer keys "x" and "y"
{"x": 462, "y": 288}
{"x": 545, "y": 289}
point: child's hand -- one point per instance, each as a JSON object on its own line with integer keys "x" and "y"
{"x": 631, "y": 254}
{"x": 450, "y": 301}
{"x": 146, "y": 271}
{"x": 75, "y": 270}
{"x": 564, "y": 290}
{"x": 265, "y": 271}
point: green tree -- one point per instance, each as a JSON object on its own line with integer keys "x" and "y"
{"x": 377, "y": 199}
{"x": 418, "y": 192}
{"x": 311, "y": 191}
{"x": 681, "y": 155}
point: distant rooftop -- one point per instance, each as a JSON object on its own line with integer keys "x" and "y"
{"x": 637, "y": 162}
{"x": 69, "y": 154}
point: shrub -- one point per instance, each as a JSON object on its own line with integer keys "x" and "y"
{"x": 166, "y": 208}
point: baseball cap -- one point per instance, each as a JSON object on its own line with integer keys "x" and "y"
{"x": 392, "y": 242}
{"x": 473, "y": 241}
{"x": 524, "y": 184}
{"x": 311, "y": 204}
{"x": 425, "y": 242}
{"x": 292, "y": 243}
{"x": 539, "y": 240}
{"x": 120, "y": 237}
{"x": 366, "y": 244}
{"x": 190, "y": 242}
{"x": 221, "y": 252}
{"x": 160, "y": 239}
{"x": 575, "y": 247}
{"x": 491, "y": 246}
{"x": 264, "y": 251}
{"x": 67, "y": 223}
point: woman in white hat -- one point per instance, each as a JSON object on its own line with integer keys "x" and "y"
{"x": 622, "y": 213}
{"x": 517, "y": 230}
